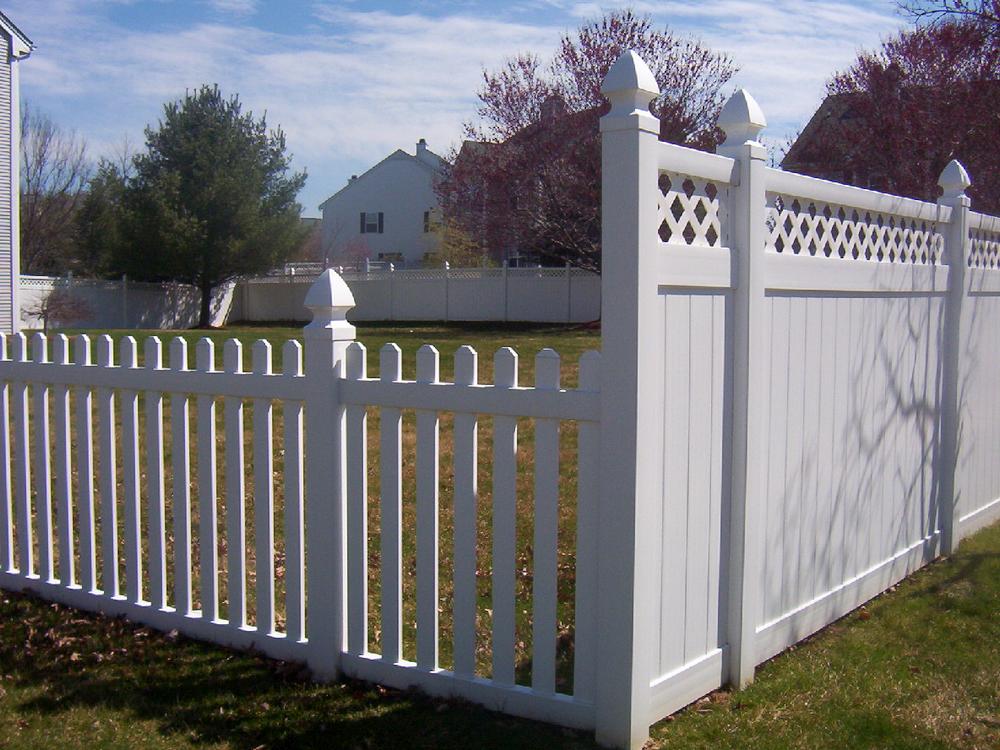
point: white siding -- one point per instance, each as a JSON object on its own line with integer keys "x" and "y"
{"x": 402, "y": 189}
{"x": 6, "y": 154}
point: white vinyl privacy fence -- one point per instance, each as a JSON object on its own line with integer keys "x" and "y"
{"x": 542, "y": 295}
{"x": 801, "y": 409}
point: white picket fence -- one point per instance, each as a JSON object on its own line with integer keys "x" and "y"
{"x": 800, "y": 409}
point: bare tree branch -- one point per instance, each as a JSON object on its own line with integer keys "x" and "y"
{"x": 54, "y": 175}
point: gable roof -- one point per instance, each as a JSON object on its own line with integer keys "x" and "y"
{"x": 396, "y": 155}
{"x": 22, "y": 45}
{"x": 834, "y": 110}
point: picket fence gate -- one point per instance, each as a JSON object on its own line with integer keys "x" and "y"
{"x": 796, "y": 408}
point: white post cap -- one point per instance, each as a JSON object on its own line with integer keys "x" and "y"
{"x": 741, "y": 119}
{"x": 954, "y": 181}
{"x": 329, "y": 300}
{"x": 630, "y": 86}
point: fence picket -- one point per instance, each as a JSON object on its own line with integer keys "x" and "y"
{"x": 427, "y": 517}
{"x": 357, "y": 509}
{"x": 295, "y": 595}
{"x": 180, "y": 429}
{"x": 6, "y": 489}
{"x": 63, "y": 468}
{"x": 390, "y": 509}
{"x": 155, "y": 482}
{"x": 236, "y": 540}
{"x": 85, "y": 470}
{"x": 263, "y": 492}
{"x": 588, "y": 483}
{"x": 108, "y": 467}
{"x": 504, "y": 523}
{"x": 130, "y": 476}
{"x": 466, "y": 456}
{"x": 43, "y": 462}
{"x": 22, "y": 463}
{"x": 544, "y": 591}
{"x": 208, "y": 531}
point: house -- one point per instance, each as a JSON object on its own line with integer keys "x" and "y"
{"x": 16, "y": 46}
{"x": 822, "y": 150}
{"x": 388, "y": 213}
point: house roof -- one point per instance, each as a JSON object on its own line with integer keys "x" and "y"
{"x": 434, "y": 165}
{"x": 22, "y": 44}
{"x": 834, "y": 110}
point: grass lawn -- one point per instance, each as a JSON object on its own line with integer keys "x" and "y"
{"x": 919, "y": 667}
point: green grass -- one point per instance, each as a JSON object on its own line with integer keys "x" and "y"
{"x": 919, "y": 667}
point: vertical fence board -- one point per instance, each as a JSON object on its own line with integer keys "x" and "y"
{"x": 22, "y": 466}
{"x": 263, "y": 490}
{"x": 466, "y": 508}
{"x": 85, "y": 471}
{"x": 295, "y": 593}
{"x": 109, "y": 471}
{"x": 235, "y": 494}
{"x": 208, "y": 532}
{"x": 357, "y": 508}
{"x": 699, "y": 496}
{"x": 504, "y": 524}
{"x": 588, "y": 483}
{"x": 130, "y": 477}
{"x": 6, "y": 486}
{"x": 155, "y": 480}
{"x": 390, "y": 509}
{"x": 43, "y": 463}
{"x": 180, "y": 427}
{"x": 544, "y": 591}
{"x": 64, "y": 468}
{"x": 427, "y": 517}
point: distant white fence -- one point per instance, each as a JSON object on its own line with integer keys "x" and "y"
{"x": 795, "y": 406}
{"x": 544, "y": 295}
{"x": 121, "y": 303}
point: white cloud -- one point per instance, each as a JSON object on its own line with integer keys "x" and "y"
{"x": 234, "y": 7}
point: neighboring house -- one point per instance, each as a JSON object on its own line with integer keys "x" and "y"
{"x": 820, "y": 150}
{"x": 16, "y": 46}
{"x": 388, "y": 213}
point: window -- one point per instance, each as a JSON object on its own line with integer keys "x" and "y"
{"x": 371, "y": 222}
{"x": 427, "y": 221}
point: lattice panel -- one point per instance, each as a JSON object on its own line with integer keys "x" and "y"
{"x": 802, "y": 227}
{"x": 690, "y": 210}
{"x": 985, "y": 250}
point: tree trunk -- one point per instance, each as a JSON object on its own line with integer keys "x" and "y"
{"x": 205, "y": 317}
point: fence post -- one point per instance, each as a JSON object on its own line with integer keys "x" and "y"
{"x": 124, "y": 300}
{"x": 447, "y": 273}
{"x": 326, "y": 340}
{"x": 629, "y": 143}
{"x": 569, "y": 292}
{"x": 505, "y": 290}
{"x": 741, "y": 119}
{"x": 953, "y": 181}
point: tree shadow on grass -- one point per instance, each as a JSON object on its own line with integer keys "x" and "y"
{"x": 202, "y": 694}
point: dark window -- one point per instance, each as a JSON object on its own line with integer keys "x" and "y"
{"x": 371, "y": 222}
{"x": 427, "y": 221}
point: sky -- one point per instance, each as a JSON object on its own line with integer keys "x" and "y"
{"x": 350, "y": 82}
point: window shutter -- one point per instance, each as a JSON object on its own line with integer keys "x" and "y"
{"x": 362, "y": 222}
{"x": 380, "y": 222}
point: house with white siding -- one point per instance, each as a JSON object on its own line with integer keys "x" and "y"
{"x": 16, "y": 46}
{"x": 388, "y": 213}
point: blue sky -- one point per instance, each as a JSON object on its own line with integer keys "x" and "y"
{"x": 349, "y": 82}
